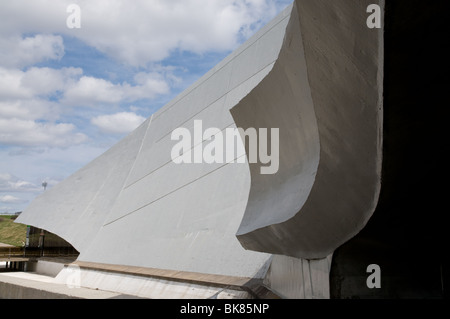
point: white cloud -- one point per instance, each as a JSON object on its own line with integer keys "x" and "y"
{"x": 149, "y": 30}
{"x": 16, "y": 193}
{"x": 29, "y": 109}
{"x": 27, "y": 115}
{"x": 30, "y": 133}
{"x": 25, "y": 92}
{"x": 8, "y": 199}
{"x": 10, "y": 183}
{"x": 123, "y": 122}
{"x": 149, "y": 85}
{"x": 19, "y": 52}
{"x": 90, "y": 91}
{"x": 51, "y": 165}
{"x": 35, "y": 82}
{"x": 141, "y": 31}
{"x": 47, "y": 81}
{"x": 11, "y": 86}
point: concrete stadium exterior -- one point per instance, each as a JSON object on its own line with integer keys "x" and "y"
{"x": 316, "y": 73}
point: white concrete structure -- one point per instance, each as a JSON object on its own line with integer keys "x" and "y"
{"x": 314, "y": 72}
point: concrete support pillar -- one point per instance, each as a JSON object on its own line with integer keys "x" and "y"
{"x": 296, "y": 278}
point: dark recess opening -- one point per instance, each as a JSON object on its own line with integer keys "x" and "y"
{"x": 407, "y": 234}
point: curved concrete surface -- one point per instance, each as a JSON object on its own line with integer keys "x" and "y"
{"x": 325, "y": 94}
{"x": 134, "y": 206}
{"x": 313, "y": 72}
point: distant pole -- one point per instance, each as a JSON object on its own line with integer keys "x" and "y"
{"x": 41, "y": 242}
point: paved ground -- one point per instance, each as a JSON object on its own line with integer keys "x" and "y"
{"x": 20, "y": 285}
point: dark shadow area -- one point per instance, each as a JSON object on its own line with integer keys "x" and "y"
{"x": 42, "y": 243}
{"x": 407, "y": 234}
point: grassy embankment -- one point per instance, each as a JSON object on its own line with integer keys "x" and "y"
{"x": 12, "y": 233}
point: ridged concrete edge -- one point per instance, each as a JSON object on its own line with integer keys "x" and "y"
{"x": 325, "y": 94}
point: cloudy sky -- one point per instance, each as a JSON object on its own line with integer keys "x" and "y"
{"x": 68, "y": 94}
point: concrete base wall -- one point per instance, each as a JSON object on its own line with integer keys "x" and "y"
{"x": 14, "y": 291}
{"x": 46, "y": 268}
{"x": 286, "y": 277}
{"x": 144, "y": 287}
{"x": 20, "y": 285}
{"x": 295, "y": 278}
{"x": 76, "y": 283}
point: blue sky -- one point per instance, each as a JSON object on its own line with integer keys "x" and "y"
{"x": 67, "y": 95}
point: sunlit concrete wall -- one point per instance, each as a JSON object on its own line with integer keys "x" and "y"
{"x": 134, "y": 206}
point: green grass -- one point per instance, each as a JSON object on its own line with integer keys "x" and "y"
{"x": 12, "y": 233}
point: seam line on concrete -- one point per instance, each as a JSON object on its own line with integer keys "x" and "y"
{"x": 82, "y": 215}
{"x": 310, "y": 279}
{"x": 168, "y": 162}
{"x": 198, "y": 84}
{"x": 173, "y": 191}
{"x": 140, "y": 149}
{"x": 137, "y": 155}
{"x": 223, "y": 95}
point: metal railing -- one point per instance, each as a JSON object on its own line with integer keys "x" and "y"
{"x": 35, "y": 252}
{"x": 8, "y": 252}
